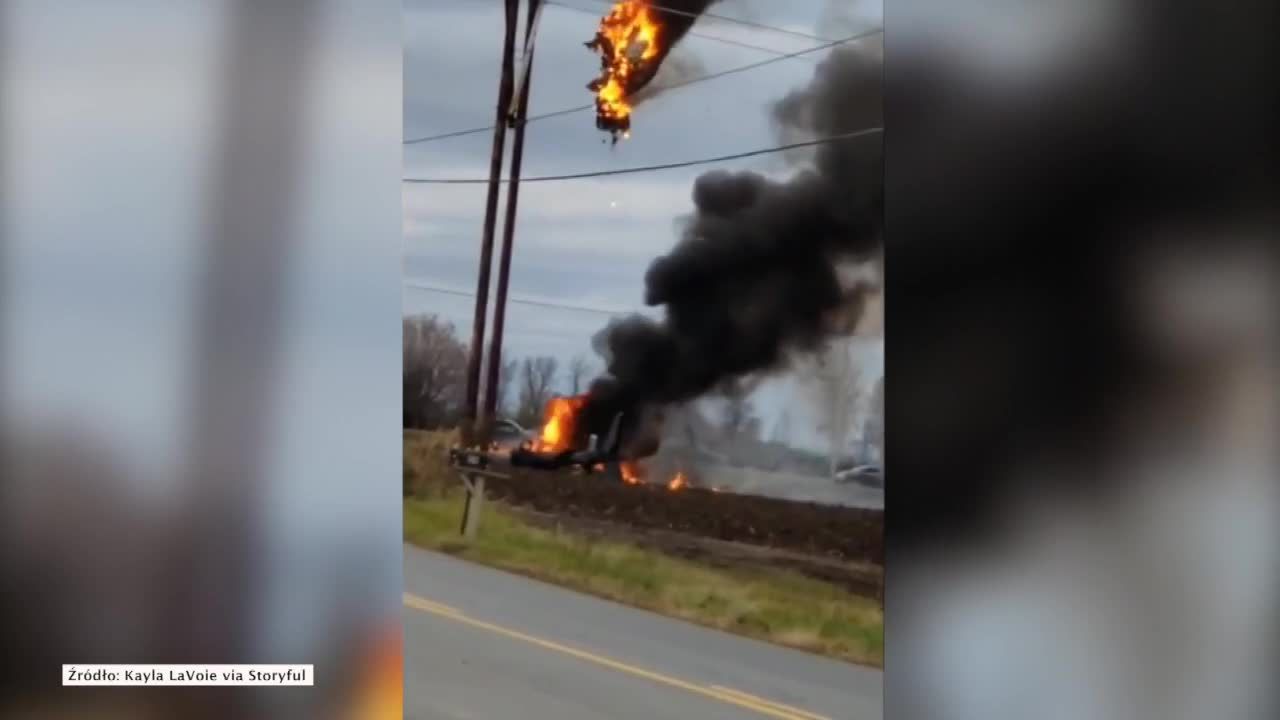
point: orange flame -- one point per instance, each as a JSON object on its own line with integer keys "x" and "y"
{"x": 678, "y": 482}
{"x": 628, "y": 37}
{"x": 380, "y": 689}
{"x": 559, "y": 421}
{"x": 630, "y": 472}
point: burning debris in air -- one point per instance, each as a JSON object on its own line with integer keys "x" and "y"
{"x": 632, "y": 41}
{"x": 627, "y": 40}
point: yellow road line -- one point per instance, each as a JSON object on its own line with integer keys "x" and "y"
{"x": 421, "y": 603}
{"x": 764, "y": 701}
{"x": 715, "y": 692}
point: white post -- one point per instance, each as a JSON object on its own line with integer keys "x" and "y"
{"x": 474, "y": 502}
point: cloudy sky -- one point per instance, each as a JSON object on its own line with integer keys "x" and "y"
{"x": 583, "y": 242}
{"x": 110, "y": 138}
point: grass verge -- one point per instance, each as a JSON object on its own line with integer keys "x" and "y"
{"x": 773, "y": 605}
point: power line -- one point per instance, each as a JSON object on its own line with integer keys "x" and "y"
{"x": 522, "y": 301}
{"x": 770, "y": 61}
{"x": 685, "y": 83}
{"x": 650, "y": 168}
{"x": 489, "y": 128}
{"x": 717, "y": 38}
{"x": 726, "y": 18}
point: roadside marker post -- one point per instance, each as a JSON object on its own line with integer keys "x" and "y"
{"x": 472, "y": 467}
{"x": 471, "y": 510}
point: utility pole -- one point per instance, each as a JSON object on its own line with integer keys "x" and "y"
{"x": 474, "y": 480}
{"x": 838, "y": 383}
{"x": 518, "y": 121}
{"x": 471, "y": 434}
{"x": 250, "y": 239}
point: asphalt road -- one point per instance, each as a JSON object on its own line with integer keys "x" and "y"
{"x": 481, "y": 644}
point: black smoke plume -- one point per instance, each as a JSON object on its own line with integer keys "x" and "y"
{"x": 755, "y": 276}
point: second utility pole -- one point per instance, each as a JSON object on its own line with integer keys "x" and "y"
{"x": 518, "y": 121}
{"x": 471, "y": 433}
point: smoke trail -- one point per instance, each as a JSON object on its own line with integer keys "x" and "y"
{"x": 676, "y": 18}
{"x": 677, "y": 68}
{"x": 756, "y": 275}
{"x": 841, "y": 18}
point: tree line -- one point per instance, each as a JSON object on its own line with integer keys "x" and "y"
{"x": 435, "y": 377}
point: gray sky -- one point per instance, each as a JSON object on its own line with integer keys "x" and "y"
{"x": 582, "y": 242}
{"x": 111, "y": 118}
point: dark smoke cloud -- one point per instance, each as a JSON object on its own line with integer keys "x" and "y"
{"x": 755, "y": 276}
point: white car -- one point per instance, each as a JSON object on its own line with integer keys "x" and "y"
{"x": 508, "y": 435}
{"x": 869, "y": 475}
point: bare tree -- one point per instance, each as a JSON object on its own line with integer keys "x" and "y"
{"x": 739, "y": 413}
{"x": 579, "y": 371}
{"x": 506, "y": 374}
{"x": 537, "y": 379}
{"x": 838, "y": 395}
{"x": 875, "y": 418}
{"x": 507, "y": 371}
{"x": 435, "y": 362}
{"x": 781, "y": 433}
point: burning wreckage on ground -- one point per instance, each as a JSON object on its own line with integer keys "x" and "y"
{"x": 566, "y": 442}
{"x": 632, "y": 41}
